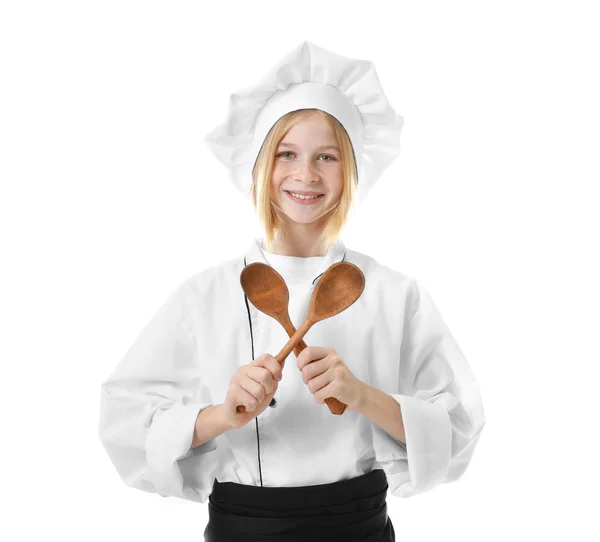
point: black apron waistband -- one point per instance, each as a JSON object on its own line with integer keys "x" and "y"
{"x": 344, "y": 511}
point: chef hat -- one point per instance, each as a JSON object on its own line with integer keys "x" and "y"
{"x": 311, "y": 77}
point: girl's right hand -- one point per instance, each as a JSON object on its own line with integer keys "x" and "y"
{"x": 252, "y": 386}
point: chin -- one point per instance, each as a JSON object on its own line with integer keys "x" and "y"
{"x": 305, "y": 216}
{"x": 303, "y": 220}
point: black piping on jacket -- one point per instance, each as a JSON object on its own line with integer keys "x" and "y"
{"x": 273, "y": 401}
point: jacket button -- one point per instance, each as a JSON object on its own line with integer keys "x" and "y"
{"x": 273, "y": 402}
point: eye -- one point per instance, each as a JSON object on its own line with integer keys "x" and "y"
{"x": 331, "y": 158}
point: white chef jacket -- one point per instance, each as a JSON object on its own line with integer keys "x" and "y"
{"x": 392, "y": 338}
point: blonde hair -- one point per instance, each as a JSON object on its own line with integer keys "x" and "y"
{"x": 268, "y": 215}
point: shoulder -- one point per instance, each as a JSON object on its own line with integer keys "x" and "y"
{"x": 212, "y": 280}
{"x": 387, "y": 285}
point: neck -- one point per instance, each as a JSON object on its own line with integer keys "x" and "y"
{"x": 302, "y": 243}
{"x": 300, "y": 240}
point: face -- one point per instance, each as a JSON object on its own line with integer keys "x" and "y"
{"x": 308, "y": 162}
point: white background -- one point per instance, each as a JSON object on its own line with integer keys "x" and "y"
{"x": 110, "y": 198}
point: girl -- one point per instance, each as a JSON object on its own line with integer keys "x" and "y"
{"x": 306, "y": 142}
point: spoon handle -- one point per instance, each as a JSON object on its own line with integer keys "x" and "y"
{"x": 294, "y": 340}
{"x": 335, "y": 406}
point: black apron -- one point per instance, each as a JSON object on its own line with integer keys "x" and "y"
{"x": 353, "y": 510}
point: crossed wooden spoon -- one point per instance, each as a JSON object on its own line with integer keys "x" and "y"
{"x": 339, "y": 287}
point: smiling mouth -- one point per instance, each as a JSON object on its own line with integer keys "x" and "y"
{"x": 304, "y": 200}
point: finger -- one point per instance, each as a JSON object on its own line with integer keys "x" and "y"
{"x": 269, "y": 362}
{"x": 275, "y": 367}
{"x": 318, "y": 382}
{"x": 327, "y": 391}
{"x": 311, "y": 353}
{"x": 263, "y": 377}
{"x": 255, "y": 389}
{"x": 255, "y": 382}
{"x": 260, "y": 360}
{"x": 314, "y": 369}
{"x": 246, "y": 399}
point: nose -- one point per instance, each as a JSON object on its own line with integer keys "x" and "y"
{"x": 306, "y": 171}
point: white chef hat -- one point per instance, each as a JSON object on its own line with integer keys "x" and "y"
{"x": 311, "y": 77}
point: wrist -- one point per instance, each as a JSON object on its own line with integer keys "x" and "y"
{"x": 221, "y": 412}
{"x": 210, "y": 423}
{"x": 363, "y": 397}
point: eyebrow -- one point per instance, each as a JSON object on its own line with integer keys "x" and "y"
{"x": 319, "y": 148}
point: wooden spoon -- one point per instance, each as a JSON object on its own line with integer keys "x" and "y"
{"x": 268, "y": 292}
{"x": 339, "y": 287}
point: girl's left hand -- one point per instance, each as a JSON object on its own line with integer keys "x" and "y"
{"x": 326, "y": 375}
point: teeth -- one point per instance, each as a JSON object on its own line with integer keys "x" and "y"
{"x": 300, "y": 196}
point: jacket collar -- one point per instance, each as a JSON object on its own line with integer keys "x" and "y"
{"x": 335, "y": 254}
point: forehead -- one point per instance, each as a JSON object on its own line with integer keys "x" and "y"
{"x": 313, "y": 131}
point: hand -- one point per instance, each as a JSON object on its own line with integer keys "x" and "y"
{"x": 252, "y": 386}
{"x": 326, "y": 375}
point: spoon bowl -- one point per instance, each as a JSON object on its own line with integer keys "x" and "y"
{"x": 268, "y": 292}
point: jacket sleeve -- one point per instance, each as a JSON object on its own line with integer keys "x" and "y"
{"x": 149, "y": 405}
{"x": 440, "y": 403}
